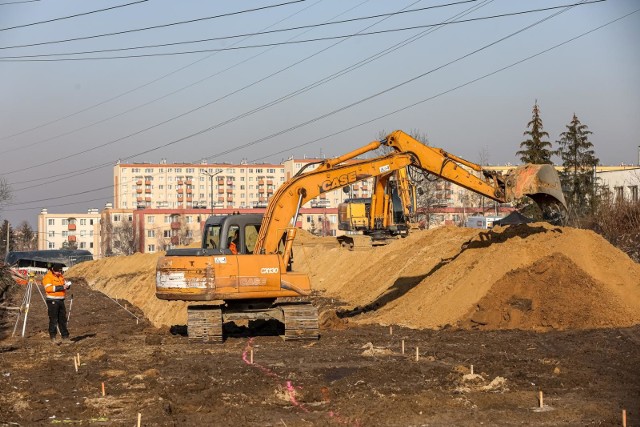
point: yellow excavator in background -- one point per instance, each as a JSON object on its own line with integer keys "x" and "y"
{"x": 247, "y": 282}
{"x": 385, "y": 216}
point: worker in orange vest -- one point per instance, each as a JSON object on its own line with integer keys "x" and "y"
{"x": 55, "y": 288}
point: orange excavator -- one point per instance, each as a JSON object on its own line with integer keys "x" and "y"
{"x": 257, "y": 282}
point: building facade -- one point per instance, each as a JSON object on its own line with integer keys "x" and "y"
{"x": 70, "y": 231}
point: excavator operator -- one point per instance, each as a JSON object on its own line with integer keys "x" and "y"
{"x": 235, "y": 242}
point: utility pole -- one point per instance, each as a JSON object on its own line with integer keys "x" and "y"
{"x": 7, "y": 251}
{"x": 211, "y": 175}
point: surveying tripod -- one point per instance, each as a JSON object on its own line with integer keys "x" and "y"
{"x": 26, "y": 302}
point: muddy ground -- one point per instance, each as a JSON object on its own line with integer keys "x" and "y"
{"x": 352, "y": 376}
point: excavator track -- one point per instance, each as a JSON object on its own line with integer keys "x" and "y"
{"x": 300, "y": 322}
{"x": 204, "y": 324}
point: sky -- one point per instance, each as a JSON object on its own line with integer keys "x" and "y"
{"x": 84, "y": 85}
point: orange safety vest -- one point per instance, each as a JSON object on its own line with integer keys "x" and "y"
{"x": 50, "y": 281}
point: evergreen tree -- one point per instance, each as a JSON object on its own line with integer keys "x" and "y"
{"x": 535, "y": 149}
{"x": 578, "y": 162}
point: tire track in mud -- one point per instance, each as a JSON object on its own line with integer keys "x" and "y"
{"x": 291, "y": 388}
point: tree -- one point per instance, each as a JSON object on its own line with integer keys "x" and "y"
{"x": 578, "y": 162}
{"x": 124, "y": 238}
{"x": 535, "y": 149}
{"x": 5, "y": 192}
{"x": 25, "y": 237}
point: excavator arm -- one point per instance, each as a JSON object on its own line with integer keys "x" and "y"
{"x": 537, "y": 181}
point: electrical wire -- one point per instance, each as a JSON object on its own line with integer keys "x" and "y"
{"x": 73, "y": 16}
{"x": 35, "y": 58}
{"x": 155, "y": 27}
{"x": 164, "y": 76}
{"x": 22, "y": 169}
{"x": 416, "y": 103}
{"x": 260, "y": 33}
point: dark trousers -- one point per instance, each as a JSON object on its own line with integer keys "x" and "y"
{"x": 57, "y": 317}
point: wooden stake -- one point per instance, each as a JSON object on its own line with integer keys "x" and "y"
{"x": 402, "y": 346}
{"x": 103, "y": 393}
{"x": 417, "y": 354}
{"x": 139, "y": 418}
{"x": 251, "y": 356}
{"x": 471, "y": 369}
{"x": 390, "y": 330}
{"x": 540, "y": 398}
{"x": 75, "y": 364}
{"x": 78, "y": 354}
{"x": 624, "y": 418}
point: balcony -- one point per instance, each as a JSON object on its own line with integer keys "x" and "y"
{"x": 261, "y": 190}
{"x": 147, "y": 182}
{"x": 180, "y": 190}
{"x": 230, "y": 199}
{"x": 147, "y": 190}
{"x": 147, "y": 199}
{"x": 261, "y": 182}
{"x": 189, "y": 191}
{"x": 262, "y": 199}
{"x": 229, "y": 182}
{"x": 220, "y": 199}
{"x": 72, "y": 227}
{"x": 175, "y": 240}
{"x": 269, "y": 190}
{"x": 71, "y": 238}
{"x": 220, "y": 190}
{"x": 189, "y": 198}
{"x": 189, "y": 182}
{"x": 139, "y": 191}
{"x": 180, "y": 182}
{"x": 269, "y": 182}
{"x": 139, "y": 182}
{"x": 175, "y": 225}
{"x": 139, "y": 199}
{"x": 229, "y": 190}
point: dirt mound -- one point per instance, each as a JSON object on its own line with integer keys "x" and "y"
{"x": 438, "y": 277}
{"x": 551, "y": 293}
{"x": 132, "y": 278}
{"x": 532, "y": 276}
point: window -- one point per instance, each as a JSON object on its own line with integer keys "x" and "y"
{"x": 167, "y": 219}
{"x": 151, "y": 248}
{"x": 90, "y": 222}
{"x": 178, "y": 170}
{"x": 91, "y": 245}
{"x": 116, "y": 218}
{"x": 82, "y": 233}
{"x": 189, "y": 170}
{"x": 90, "y": 233}
{"x": 167, "y": 233}
{"x": 65, "y": 233}
{"x": 51, "y": 245}
{"x": 52, "y": 234}
{"x": 634, "y": 193}
{"x": 51, "y": 221}
{"x": 65, "y": 221}
{"x": 151, "y": 219}
{"x": 83, "y": 222}
{"x": 618, "y": 190}
{"x": 83, "y": 245}
{"x": 151, "y": 233}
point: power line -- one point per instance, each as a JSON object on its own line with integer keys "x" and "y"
{"x": 182, "y": 115}
{"x": 34, "y": 58}
{"x": 260, "y": 33}
{"x": 73, "y": 16}
{"x": 154, "y": 27}
{"x": 141, "y": 86}
{"x": 393, "y": 88}
{"x": 18, "y": 2}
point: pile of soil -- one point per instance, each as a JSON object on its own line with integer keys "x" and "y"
{"x": 450, "y": 275}
{"x": 532, "y": 276}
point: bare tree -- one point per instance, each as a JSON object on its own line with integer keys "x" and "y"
{"x": 25, "y": 237}
{"x": 5, "y": 192}
{"x": 124, "y": 238}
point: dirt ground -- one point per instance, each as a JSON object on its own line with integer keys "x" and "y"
{"x": 531, "y": 309}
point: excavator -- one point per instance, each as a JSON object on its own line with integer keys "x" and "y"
{"x": 383, "y": 217}
{"x": 251, "y": 278}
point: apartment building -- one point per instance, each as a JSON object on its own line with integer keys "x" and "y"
{"x": 69, "y": 231}
{"x": 213, "y": 186}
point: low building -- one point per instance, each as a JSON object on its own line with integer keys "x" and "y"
{"x": 69, "y": 231}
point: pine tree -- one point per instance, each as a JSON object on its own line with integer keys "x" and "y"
{"x": 25, "y": 237}
{"x": 578, "y": 162}
{"x": 535, "y": 149}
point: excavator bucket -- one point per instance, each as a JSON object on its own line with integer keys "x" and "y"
{"x": 542, "y": 184}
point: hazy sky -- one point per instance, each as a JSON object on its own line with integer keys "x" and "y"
{"x": 255, "y": 92}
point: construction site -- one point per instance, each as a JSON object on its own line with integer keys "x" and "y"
{"x": 531, "y": 324}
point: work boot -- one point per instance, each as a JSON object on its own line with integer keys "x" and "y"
{"x": 53, "y": 341}
{"x": 66, "y": 340}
